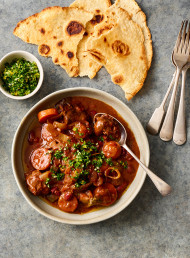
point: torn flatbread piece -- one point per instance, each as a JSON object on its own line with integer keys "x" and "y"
{"x": 87, "y": 66}
{"x": 139, "y": 17}
{"x": 57, "y": 31}
{"x": 119, "y": 46}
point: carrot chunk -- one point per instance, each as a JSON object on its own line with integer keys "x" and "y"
{"x": 46, "y": 114}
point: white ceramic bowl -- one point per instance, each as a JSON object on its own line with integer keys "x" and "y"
{"x": 29, "y": 57}
{"x": 95, "y": 216}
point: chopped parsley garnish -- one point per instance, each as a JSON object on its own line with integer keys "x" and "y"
{"x": 111, "y": 137}
{"x": 20, "y": 77}
{"x": 98, "y": 161}
{"x": 124, "y": 164}
{"x": 47, "y": 182}
{"x": 58, "y": 154}
{"x": 77, "y": 185}
{"x": 75, "y": 130}
{"x": 101, "y": 139}
{"x": 109, "y": 161}
{"x": 58, "y": 176}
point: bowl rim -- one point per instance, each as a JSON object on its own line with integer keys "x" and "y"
{"x": 25, "y": 55}
{"x": 91, "y": 220}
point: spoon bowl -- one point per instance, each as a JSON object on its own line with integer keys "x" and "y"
{"x": 162, "y": 186}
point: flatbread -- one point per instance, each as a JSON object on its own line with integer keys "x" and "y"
{"x": 118, "y": 44}
{"x": 87, "y": 66}
{"x": 139, "y": 17}
{"x": 57, "y": 31}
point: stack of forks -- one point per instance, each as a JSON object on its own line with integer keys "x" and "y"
{"x": 181, "y": 59}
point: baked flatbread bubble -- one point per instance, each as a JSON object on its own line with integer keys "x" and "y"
{"x": 87, "y": 66}
{"x": 118, "y": 44}
{"x": 139, "y": 17}
{"x": 57, "y": 31}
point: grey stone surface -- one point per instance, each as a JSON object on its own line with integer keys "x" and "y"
{"x": 152, "y": 226}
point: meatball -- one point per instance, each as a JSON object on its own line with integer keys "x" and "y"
{"x": 112, "y": 149}
{"x": 105, "y": 194}
{"x": 81, "y": 129}
{"x": 36, "y": 184}
{"x": 105, "y": 125}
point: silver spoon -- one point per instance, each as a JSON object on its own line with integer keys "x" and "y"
{"x": 162, "y": 186}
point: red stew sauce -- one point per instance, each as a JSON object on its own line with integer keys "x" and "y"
{"x": 74, "y": 161}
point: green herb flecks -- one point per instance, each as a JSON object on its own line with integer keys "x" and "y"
{"x": 58, "y": 154}
{"x": 98, "y": 161}
{"x": 123, "y": 164}
{"x": 101, "y": 139}
{"x": 58, "y": 176}
{"x": 111, "y": 137}
{"x": 20, "y": 77}
{"x": 47, "y": 182}
{"x": 109, "y": 161}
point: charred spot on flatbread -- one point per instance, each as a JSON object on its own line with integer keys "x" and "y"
{"x": 42, "y": 30}
{"x": 86, "y": 33}
{"x": 74, "y": 27}
{"x": 118, "y": 79}
{"x": 75, "y": 71}
{"x": 62, "y": 52}
{"x": 96, "y": 54}
{"x": 105, "y": 28}
{"x": 70, "y": 54}
{"x": 97, "y": 19}
{"x": 60, "y": 43}
{"x": 56, "y": 60}
{"x": 44, "y": 49}
{"x": 120, "y": 48}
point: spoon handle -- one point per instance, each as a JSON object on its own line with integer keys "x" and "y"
{"x": 162, "y": 186}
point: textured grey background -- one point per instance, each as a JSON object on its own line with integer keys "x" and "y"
{"x": 151, "y": 226}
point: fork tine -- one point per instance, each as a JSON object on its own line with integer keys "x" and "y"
{"x": 183, "y": 38}
{"x": 187, "y": 41}
{"x": 179, "y": 37}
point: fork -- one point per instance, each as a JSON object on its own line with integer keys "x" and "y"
{"x": 180, "y": 57}
{"x": 179, "y": 136}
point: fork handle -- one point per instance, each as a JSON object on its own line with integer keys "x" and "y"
{"x": 166, "y": 132}
{"x": 179, "y": 136}
{"x": 156, "y": 119}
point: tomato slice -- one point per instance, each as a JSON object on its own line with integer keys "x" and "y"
{"x": 105, "y": 194}
{"x": 67, "y": 205}
{"x": 41, "y": 159}
{"x": 46, "y": 114}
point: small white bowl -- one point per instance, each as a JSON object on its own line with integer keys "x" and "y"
{"x": 90, "y": 217}
{"x": 29, "y": 57}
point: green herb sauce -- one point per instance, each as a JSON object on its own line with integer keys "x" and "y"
{"x": 20, "y": 77}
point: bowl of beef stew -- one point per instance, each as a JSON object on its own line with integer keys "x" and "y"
{"x": 71, "y": 169}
